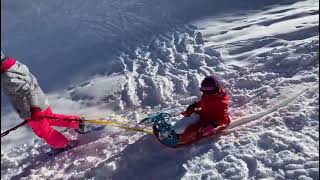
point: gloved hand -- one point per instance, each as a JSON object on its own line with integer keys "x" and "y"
{"x": 36, "y": 114}
{"x": 193, "y": 106}
{"x": 190, "y": 109}
{"x": 223, "y": 127}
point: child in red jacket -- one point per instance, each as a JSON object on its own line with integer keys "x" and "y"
{"x": 207, "y": 115}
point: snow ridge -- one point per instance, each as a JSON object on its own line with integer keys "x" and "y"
{"x": 265, "y": 58}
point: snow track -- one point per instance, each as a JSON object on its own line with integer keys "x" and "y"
{"x": 267, "y": 59}
{"x": 283, "y": 103}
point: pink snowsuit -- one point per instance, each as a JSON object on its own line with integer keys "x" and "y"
{"x": 28, "y": 99}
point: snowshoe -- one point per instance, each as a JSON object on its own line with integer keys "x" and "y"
{"x": 163, "y": 130}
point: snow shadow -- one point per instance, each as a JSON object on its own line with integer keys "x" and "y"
{"x": 32, "y": 161}
{"x": 146, "y": 158}
{"x": 41, "y": 158}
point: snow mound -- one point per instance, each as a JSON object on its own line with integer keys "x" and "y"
{"x": 157, "y": 74}
{"x": 268, "y": 62}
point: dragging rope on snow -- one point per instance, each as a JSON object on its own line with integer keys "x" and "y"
{"x": 117, "y": 124}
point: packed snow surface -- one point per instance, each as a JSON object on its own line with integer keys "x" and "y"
{"x": 267, "y": 59}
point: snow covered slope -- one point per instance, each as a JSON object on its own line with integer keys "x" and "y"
{"x": 264, "y": 56}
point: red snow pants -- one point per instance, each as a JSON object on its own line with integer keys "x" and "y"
{"x": 43, "y": 129}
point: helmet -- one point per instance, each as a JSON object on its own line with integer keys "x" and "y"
{"x": 2, "y": 56}
{"x": 210, "y": 84}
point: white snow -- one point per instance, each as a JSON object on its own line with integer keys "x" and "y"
{"x": 267, "y": 59}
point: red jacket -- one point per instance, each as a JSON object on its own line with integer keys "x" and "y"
{"x": 215, "y": 108}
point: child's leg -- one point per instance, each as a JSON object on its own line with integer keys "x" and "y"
{"x": 51, "y": 136}
{"x": 57, "y": 120}
{"x": 185, "y": 122}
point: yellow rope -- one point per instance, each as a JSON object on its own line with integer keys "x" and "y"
{"x": 104, "y": 122}
{"x": 135, "y": 129}
{"x": 121, "y": 125}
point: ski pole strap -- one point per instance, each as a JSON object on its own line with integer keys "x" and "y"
{"x": 14, "y": 128}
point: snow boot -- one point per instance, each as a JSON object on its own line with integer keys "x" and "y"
{"x": 83, "y": 128}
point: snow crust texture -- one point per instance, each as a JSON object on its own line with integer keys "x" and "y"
{"x": 263, "y": 57}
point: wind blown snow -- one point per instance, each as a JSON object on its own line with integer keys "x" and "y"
{"x": 268, "y": 61}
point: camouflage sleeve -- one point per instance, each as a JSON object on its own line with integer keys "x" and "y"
{"x": 21, "y": 87}
{"x": 22, "y": 84}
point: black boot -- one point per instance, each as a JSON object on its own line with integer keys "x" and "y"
{"x": 83, "y": 128}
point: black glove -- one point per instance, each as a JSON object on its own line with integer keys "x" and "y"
{"x": 193, "y": 106}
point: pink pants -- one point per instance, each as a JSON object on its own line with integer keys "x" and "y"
{"x": 43, "y": 129}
